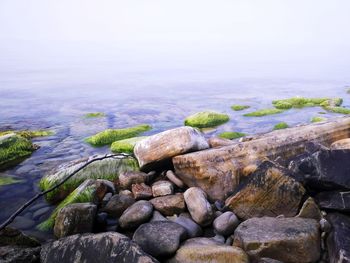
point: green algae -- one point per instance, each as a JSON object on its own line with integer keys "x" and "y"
{"x": 7, "y": 180}
{"x": 318, "y": 119}
{"x": 206, "y": 119}
{"x": 109, "y": 136}
{"x": 239, "y": 107}
{"x": 301, "y": 102}
{"x": 231, "y": 135}
{"x": 340, "y": 110}
{"x": 280, "y": 126}
{"x": 29, "y": 134}
{"x": 263, "y": 112}
{"x": 126, "y": 145}
{"x": 94, "y": 115}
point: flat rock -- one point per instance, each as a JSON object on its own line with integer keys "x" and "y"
{"x": 141, "y": 191}
{"x": 334, "y": 200}
{"x": 269, "y": 191}
{"x": 140, "y": 212}
{"x": 160, "y": 148}
{"x": 127, "y": 179}
{"x": 160, "y": 238}
{"x": 118, "y": 204}
{"x": 108, "y": 247}
{"x": 226, "y": 223}
{"x": 341, "y": 144}
{"x": 285, "y": 239}
{"x": 161, "y": 188}
{"x": 170, "y": 204}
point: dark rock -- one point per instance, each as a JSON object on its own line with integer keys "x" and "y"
{"x": 109, "y": 247}
{"x": 15, "y": 254}
{"x": 23, "y": 223}
{"x": 334, "y": 200}
{"x": 192, "y": 228}
{"x": 141, "y": 191}
{"x": 226, "y": 223}
{"x": 135, "y": 215}
{"x": 101, "y": 222}
{"x": 12, "y": 237}
{"x": 170, "y": 204}
{"x": 160, "y": 238}
{"x": 118, "y": 204}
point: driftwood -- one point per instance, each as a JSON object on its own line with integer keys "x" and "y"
{"x": 218, "y": 170}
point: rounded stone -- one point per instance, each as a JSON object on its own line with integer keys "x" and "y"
{"x": 162, "y": 188}
{"x": 118, "y": 204}
{"x": 192, "y": 228}
{"x": 174, "y": 179}
{"x": 226, "y": 223}
{"x": 140, "y": 212}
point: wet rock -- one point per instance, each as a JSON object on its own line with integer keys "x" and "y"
{"x": 338, "y": 241}
{"x": 160, "y": 148}
{"x": 118, "y": 204}
{"x": 161, "y": 188}
{"x": 343, "y": 144}
{"x": 198, "y": 206}
{"x": 285, "y": 239}
{"x": 141, "y": 191}
{"x": 170, "y": 204}
{"x": 160, "y": 238}
{"x": 310, "y": 210}
{"x": 75, "y": 219}
{"x": 192, "y": 228}
{"x": 334, "y": 200}
{"x": 140, "y": 212}
{"x": 10, "y": 236}
{"x": 127, "y": 179}
{"x": 269, "y": 191}
{"x": 174, "y": 179}
{"x": 226, "y": 223}
{"x": 15, "y": 254}
{"x": 109, "y": 247}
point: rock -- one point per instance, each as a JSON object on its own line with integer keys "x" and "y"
{"x": 334, "y": 200}
{"x": 126, "y": 192}
{"x": 40, "y": 212}
{"x": 338, "y": 241}
{"x": 141, "y": 191}
{"x": 226, "y": 223}
{"x": 269, "y": 191}
{"x": 109, "y": 168}
{"x": 101, "y": 222}
{"x": 161, "y": 188}
{"x": 170, "y": 204}
{"x": 160, "y": 238}
{"x": 75, "y": 219}
{"x": 15, "y": 254}
{"x": 10, "y": 236}
{"x": 109, "y": 247}
{"x": 157, "y": 217}
{"x": 198, "y": 206}
{"x": 192, "y": 228}
{"x": 140, "y": 212}
{"x": 106, "y": 199}
{"x": 127, "y": 179}
{"x": 158, "y": 149}
{"x": 285, "y": 239}
{"x": 343, "y": 144}
{"x": 174, "y": 179}
{"x": 219, "y": 142}
{"x": 325, "y": 225}
{"x": 22, "y": 222}
{"x": 118, "y": 204}
{"x": 310, "y": 210}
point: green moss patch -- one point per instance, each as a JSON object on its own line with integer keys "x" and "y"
{"x": 94, "y": 115}
{"x": 340, "y": 110}
{"x": 206, "y": 119}
{"x": 280, "y": 126}
{"x": 263, "y": 112}
{"x": 318, "y": 119}
{"x": 300, "y": 102}
{"x": 109, "y": 136}
{"x": 126, "y": 146}
{"x": 29, "y": 134}
{"x": 239, "y": 107}
{"x": 6, "y": 180}
{"x": 231, "y": 135}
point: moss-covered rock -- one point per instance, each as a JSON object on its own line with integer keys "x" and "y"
{"x": 94, "y": 115}
{"x": 126, "y": 145}
{"x": 231, "y": 135}
{"x": 206, "y": 119}
{"x": 14, "y": 149}
{"x": 29, "y": 134}
{"x": 108, "y": 169}
{"x": 340, "y": 110}
{"x": 237, "y": 107}
{"x": 280, "y": 126}
{"x": 263, "y": 112}
{"x": 109, "y": 136}
{"x": 300, "y": 102}
{"x": 6, "y": 180}
{"x": 318, "y": 119}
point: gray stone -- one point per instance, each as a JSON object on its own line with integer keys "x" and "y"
{"x": 192, "y": 228}
{"x": 157, "y": 217}
{"x": 118, "y": 204}
{"x": 334, "y": 200}
{"x": 226, "y": 223}
{"x": 174, "y": 179}
{"x": 140, "y": 212}
{"x": 161, "y": 188}
{"x": 15, "y": 254}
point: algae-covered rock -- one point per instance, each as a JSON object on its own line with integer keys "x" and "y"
{"x": 206, "y": 119}
{"x": 108, "y": 168}
{"x": 318, "y": 119}
{"x": 237, "y": 107}
{"x": 94, "y": 115}
{"x": 280, "y": 126}
{"x": 300, "y": 102}
{"x": 111, "y": 135}
{"x": 263, "y": 112}
{"x": 126, "y": 145}
{"x": 231, "y": 135}
{"x": 14, "y": 149}
{"x": 340, "y": 110}
{"x": 29, "y": 134}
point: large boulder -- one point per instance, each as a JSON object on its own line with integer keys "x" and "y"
{"x": 160, "y": 148}
{"x": 338, "y": 240}
{"x": 140, "y": 212}
{"x": 334, "y": 200}
{"x": 269, "y": 191}
{"x": 108, "y": 168}
{"x": 108, "y": 247}
{"x": 170, "y": 204}
{"x": 285, "y": 239}
{"x": 160, "y": 238}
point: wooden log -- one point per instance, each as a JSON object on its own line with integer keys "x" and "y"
{"x": 217, "y": 171}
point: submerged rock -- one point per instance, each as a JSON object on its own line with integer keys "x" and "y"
{"x": 334, "y": 200}
{"x": 140, "y": 212}
{"x": 206, "y": 119}
{"x": 160, "y": 148}
{"x": 285, "y": 239}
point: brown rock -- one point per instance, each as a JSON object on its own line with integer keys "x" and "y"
{"x": 310, "y": 210}
{"x": 170, "y": 204}
{"x": 161, "y": 188}
{"x": 127, "y": 179}
{"x": 343, "y": 144}
{"x": 141, "y": 191}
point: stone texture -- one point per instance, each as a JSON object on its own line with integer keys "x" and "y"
{"x": 12, "y": 237}
{"x": 75, "y": 219}
{"x": 127, "y": 179}
{"x": 160, "y": 148}
{"x": 174, "y": 179}
{"x": 334, "y": 200}
{"x": 118, "y": 204}
{"x": 341, "y": 144}
{"x": 198, "y": 206}
{"x": 16, "y": 254}
{"x": 269, "y": 191}
{"x": 226, "y": 223}
{"x": 192, "y": 228}
{"x": 310, "y": 210}
{"x": 170, "y": 204}
{"x": 109, "y": 247}
{"x": 160, "y": 238}
{"x": 141, "y": 191}
{"x": 140, "y": 212}
{"x": 285, "y": 239}
{"x": 157, "y": 217}
{"x": 161, "y": 188}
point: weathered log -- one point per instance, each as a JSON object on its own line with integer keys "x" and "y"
{"x": 217, "y": 171}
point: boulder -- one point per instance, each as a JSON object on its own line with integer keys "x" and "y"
{"x": 140, "y": 212}
{"x": 269, "y": 191}
{"x": 170, "y": 204}
{"x": 158, "y": 149}
{"x": 127, "y": 179}
{"x": 16, "y": 254}
{"x": 161, "y": 188}
{"x": 285, "y": 239}
{"x": 192, "y": 228}
{"x": 174, "y": 179}
{"x": 338, "y": 240}
{"x": 141, "y": 191}
{"x": 310, "y": 210}
{"x": 341, "y": 144}
{"x": 226, "y": 223}
{"x": 334, "y": 200}
{"x": 198, "y": 206}
{"x": 108, "y": 168}
{"x": 108, "y": 247}
{"x": 75, "y": 219}
{"x": 118, "y": 204}
{"x": 160, "y": 238}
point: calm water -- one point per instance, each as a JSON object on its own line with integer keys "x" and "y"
{"x": 55, "y": 95}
